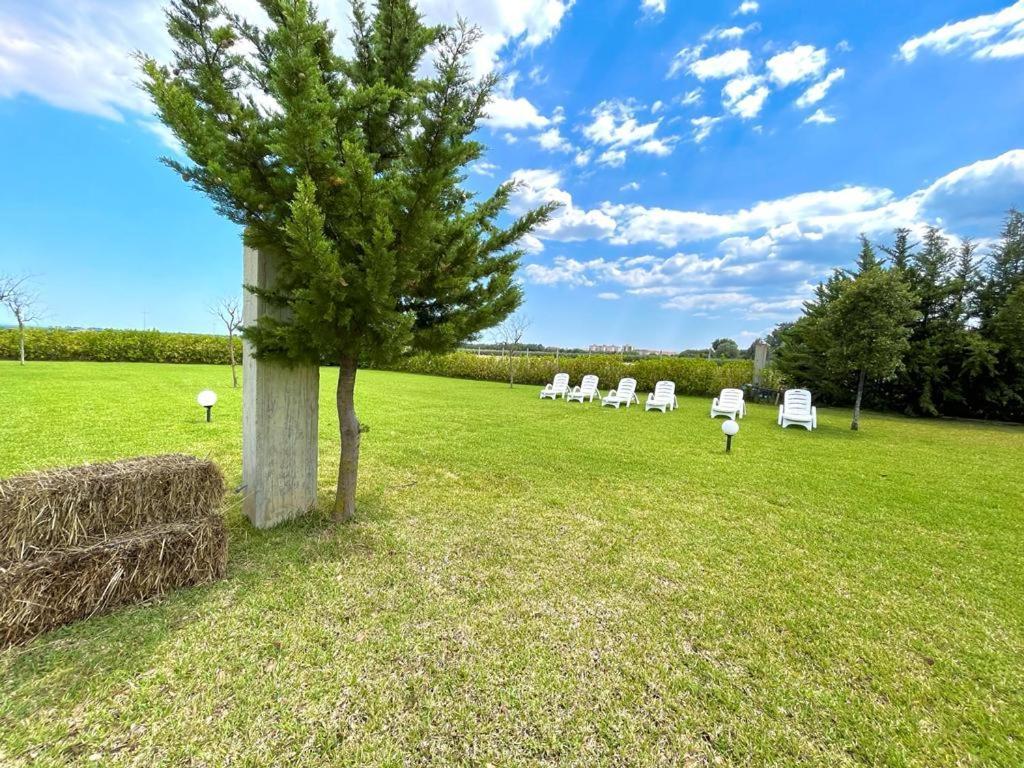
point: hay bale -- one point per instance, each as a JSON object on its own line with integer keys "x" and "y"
{"x": 75, "y": 507}
{"x": 64, "y": 586}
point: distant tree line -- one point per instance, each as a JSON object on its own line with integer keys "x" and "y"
{"x": 931, "y": 328}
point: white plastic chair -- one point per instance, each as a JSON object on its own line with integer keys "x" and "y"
{"x": 624, "y": 394}
{"x": 729, "y": 403}
{"x": 663, "y": 397}
{"x": 557, "y": 388}
{"x": 585, "y": 389}
{"x": 796, "y": 409}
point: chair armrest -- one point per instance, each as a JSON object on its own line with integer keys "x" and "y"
{"x": 714, "y": 402}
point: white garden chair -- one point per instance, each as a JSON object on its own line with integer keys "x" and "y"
{"x": 585, "y": 389}
{"x": 624, "y": 394}
{"x": 796, "y": 409}
{"x": 729, "y": 403}
{"x": 663, "y": 397}
{"x": 557, "y": 388}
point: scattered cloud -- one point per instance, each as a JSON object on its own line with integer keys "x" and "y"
{"x": 613, "y": 158}
{"x": 630, "y": 187}
{"x": 730, "y": 33}
{"x": 657, "y": 106}
{"x": 483, "y": 168}
{"x": 747, "y": 6}
{"x": 732, "y": 62}
{"x": 988, "y": 36}
{"x": 652, "y": 7}
{"x": 819, "y": 90}
{"x": 702, "y": 127}
{"x": 821, "y": 117}
{"x": 683, "y": 58}
{"x": 801, "y": 62}
{"x": 569, "y": 223}
{"x": 608, "y": 296}
{"x": 582, "y": 158}
{"x": 513, "y": 113}
{"x": 553, "y": 141}
{"x": 691, "y": 97}
{"x": 745, "y": 96}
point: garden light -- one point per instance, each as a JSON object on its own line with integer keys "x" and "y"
{"x": 730, "y": 427}
{"x": 207, "y": 398}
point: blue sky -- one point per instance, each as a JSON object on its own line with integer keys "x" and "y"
{"x": 714, "y": 159}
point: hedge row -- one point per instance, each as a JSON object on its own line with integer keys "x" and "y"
{"x": 692, "y": 376}
{"x": 111, "y": 345}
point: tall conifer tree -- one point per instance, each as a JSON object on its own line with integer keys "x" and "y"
{"x": 350, "y": 169}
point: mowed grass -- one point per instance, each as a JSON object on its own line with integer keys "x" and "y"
{"x": 536, "y": 583}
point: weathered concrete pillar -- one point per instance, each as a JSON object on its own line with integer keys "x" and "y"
{"x": 279, "y": 418}
{"x": 760, "y": 360}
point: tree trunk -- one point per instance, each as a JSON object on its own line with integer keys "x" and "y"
{"x": 21, "y": 340}
{"x": 856, "y": 403}
{"x": 231, "y": 354}
{"x": 348, "y": 426}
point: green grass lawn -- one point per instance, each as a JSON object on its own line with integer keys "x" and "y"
{"x": 536, "y": 583}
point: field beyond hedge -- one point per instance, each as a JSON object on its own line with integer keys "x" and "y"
{"x": 537, "y": 583}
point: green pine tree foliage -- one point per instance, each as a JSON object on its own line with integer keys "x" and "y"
{"x": 867, "y": 324}
{"x": 350, "y": 170}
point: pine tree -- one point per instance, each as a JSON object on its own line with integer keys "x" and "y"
{"x": 350, "y": 170}
{"x": 867, "y": 323}
{"x": 901, "y": 251}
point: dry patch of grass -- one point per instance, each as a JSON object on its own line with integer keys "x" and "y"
{"x": 535, "y": 583}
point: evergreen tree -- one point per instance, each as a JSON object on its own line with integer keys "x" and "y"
{"x": 867, "y": 324}
{"x": 350, "y": 170}
{"x": 901, "y": 251}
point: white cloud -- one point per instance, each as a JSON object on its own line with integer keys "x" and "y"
{"x": 727, "y": 64}
{"x": 582, "y": 158}
{"x": 569, "y": 223}
{"x": 821, "y": 117}
{"x": 553, "y": 141}
{"x": 691, "y": 97}
{"x": 613, "y": 158}
{"x": 799, "y": 63}
{"x": 745, "y": 96}
{"x": 653, "y": 6}
{"x": 683, "y": 58}
{"x": 483, "y": 168}
{"x": 77, "y": 56}
{"x": 991, "y": 35}
{"x": 728, "y": 33}
{"x": 564, "y": 271}
{"x": 702, "y": 127}
{"x": 608, "y": 296}
{"x": 747, "y": 6}
{"x": 514, "y": 113}
{"x": 630, "y": 187}
{"x": 165, "y": 134}
{"x": 657, "y": 106}
{"x": 819, "y": 90}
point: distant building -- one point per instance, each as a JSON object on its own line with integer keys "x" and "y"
{"x": 629, "y": 349}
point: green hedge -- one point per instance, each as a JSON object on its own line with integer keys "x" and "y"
{"x": 112, "y": 345}
{"x": 692, "y": 376}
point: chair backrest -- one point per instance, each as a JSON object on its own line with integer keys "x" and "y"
{"x": 561, "y": 381}
{"x": 664, "y": 390}
{"x": 626, "y": 388}
{"x": 730, "y": 397}
{"x": 797, "y": 401}
{"x": 589, "y": 384}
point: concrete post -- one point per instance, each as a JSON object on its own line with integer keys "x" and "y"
{"x": 280, "y": 408}
{"x": 760, "y": 360}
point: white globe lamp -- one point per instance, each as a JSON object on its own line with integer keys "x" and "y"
{"x": 730, "y": 427}
{"x": 207, "y": 399}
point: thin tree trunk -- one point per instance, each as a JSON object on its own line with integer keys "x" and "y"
{"x": 231, "y": 353}
{"x": 21, "y": 340}
{"x": 856, "y": 403}
{"x": 348, "y": 425}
